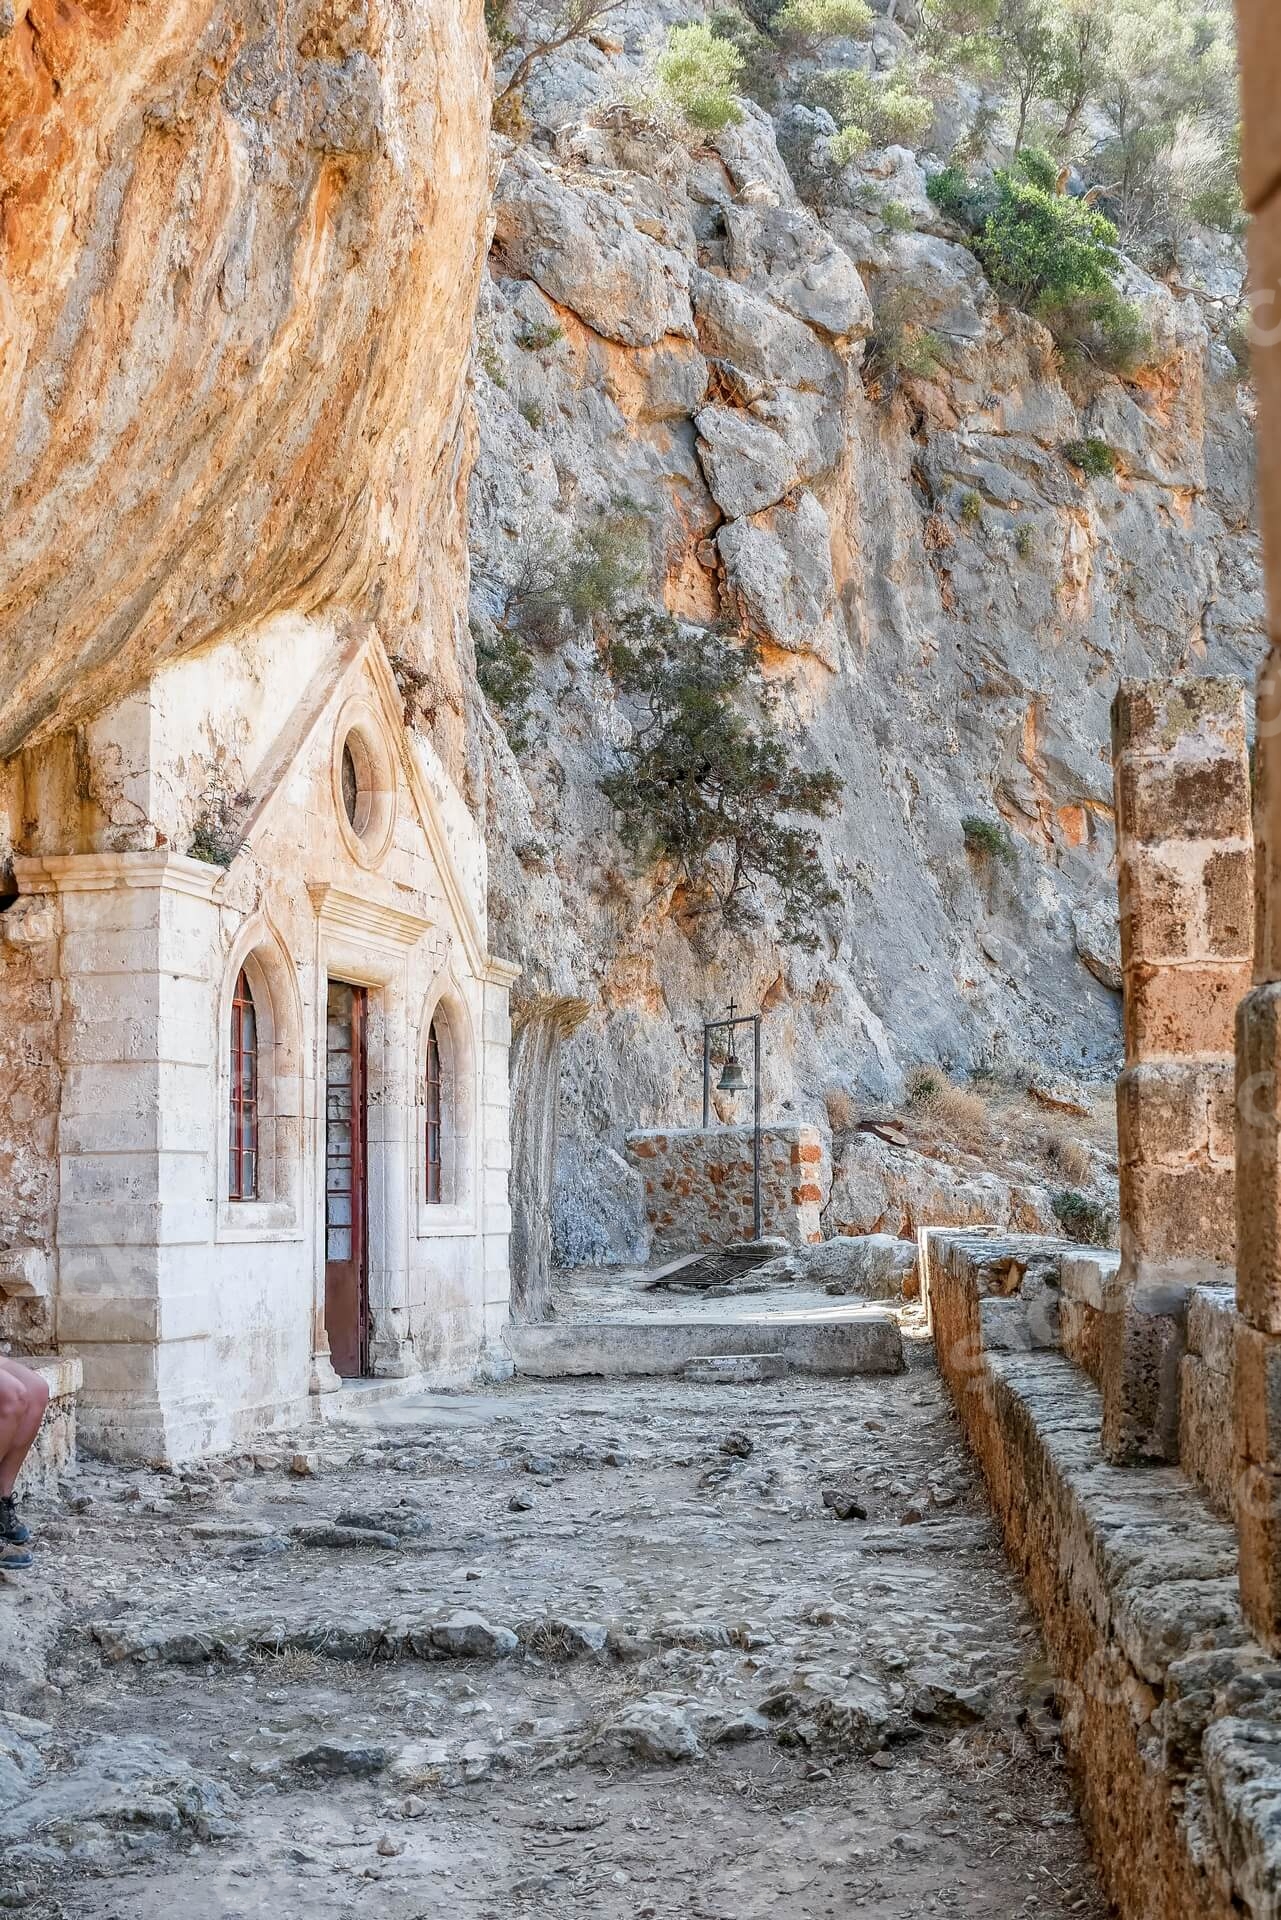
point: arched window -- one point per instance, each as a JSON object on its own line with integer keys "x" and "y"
{"x": 435, "y": 1121}
{"x": 242, "y": 1179}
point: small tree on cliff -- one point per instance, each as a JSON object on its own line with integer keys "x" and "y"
{"x": 538, "y": 31}
{"x": 705, "y": 791}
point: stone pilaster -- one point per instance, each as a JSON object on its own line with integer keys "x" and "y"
{"x": 1257, "y": 1399}
{"x": 1185, "y": 855}
{"x": 540, "y": 1025}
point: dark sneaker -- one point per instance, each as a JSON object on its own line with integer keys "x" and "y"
{"x": 11, "y": 1528}
{"x": 15, "y": 1559}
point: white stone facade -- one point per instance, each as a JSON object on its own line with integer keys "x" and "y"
{"x": 200, "y": 1318}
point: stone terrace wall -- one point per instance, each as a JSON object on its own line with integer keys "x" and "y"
{"x": 698, "y": 1185}
{"x": 1171, "y": 1713}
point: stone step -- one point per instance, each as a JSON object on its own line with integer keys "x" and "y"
{"x": 735, "y": 1369}
{"x": 847, "y": 1338}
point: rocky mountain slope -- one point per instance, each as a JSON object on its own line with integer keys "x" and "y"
{"x": 944, "y": 601}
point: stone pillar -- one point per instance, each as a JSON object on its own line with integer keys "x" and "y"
{"x": 499, "y": 977}
{"x": 1257, "y": 1401}
{"x": 137, "y": 1042}
{"x": 541, "y": 1026}
{"x": 1258, "y": 1370}
{"x": 1185, "y": 860}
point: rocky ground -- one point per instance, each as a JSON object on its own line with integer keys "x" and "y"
{"x": 624, "y": 1650}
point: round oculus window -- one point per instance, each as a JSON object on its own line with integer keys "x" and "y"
{"x": 350, "y": 783}
{"x": 364, "y": 786}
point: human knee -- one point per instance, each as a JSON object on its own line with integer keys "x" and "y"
{"x": 13, "y": 1402}
{"x": 37, "y": 1397}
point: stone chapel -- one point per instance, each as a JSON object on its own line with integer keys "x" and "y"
{"x": 254, "y": 1131}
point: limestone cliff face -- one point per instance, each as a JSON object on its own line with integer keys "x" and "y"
{"x": 945, "y": 602}
{"x": 240, "y": 248}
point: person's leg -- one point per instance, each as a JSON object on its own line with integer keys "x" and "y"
{"x": 23, "y": 1398}
{"x": 24, "y": 1395}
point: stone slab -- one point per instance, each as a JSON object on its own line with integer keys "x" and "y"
{"x": 821, "y": 1340}
{"x": 735, "y": 1369}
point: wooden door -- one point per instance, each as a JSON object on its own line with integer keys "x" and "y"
{"x": 346, "y": 1213}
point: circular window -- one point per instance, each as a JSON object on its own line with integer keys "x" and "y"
{"x": 350, "y": 783}
{"x": 364, "y": 784}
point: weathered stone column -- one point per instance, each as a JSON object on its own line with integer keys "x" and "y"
{"x": 1258, "y": 1370}
{"x": 539, "y": 1027}
{"x": 1185, "y": 856}
{"x": 1257, "y": 1412}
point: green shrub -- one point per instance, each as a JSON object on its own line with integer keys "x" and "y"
{"x": 1051, "y": 255}
{"x": 898, "y": 348}
{"x": 848, "y": 144}
{"x": 498, "y": 26}
{"x": 1099, "y": 328}
{"x": 1039, "y": 169}
{"x": 1025, "y": 542}
{"x": 564, "y": 586}
{"x": 1094, "y": 458}
{"x": 698, "y": 73}
{"x": 608, "y": 563}
{"x": 759, "y": 72}
{"x": 491, "y": 359}
{"x": 537, "y": 335}
{"x": 211, "y": 842}
{"x": 505, "y": 673}
{"x": 705, "y": 791}
{"x": 816, "y": 20}
{"x": 971, "y": 508}
{"x": 988, "y": 840}
{"x": 1082, "y": 1219}
{"x": 923, "y": 1085}
{"x": 1037, "y": 246}
{"x": 885, "y": 111}
{"x": 1238, "y": 338}
{"x": 897, "y": 217}
{"x": 953, "y": 194}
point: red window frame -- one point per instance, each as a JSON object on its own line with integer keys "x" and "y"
{"x": 242, "y": 1168}
{"x": 435, "y": 1127}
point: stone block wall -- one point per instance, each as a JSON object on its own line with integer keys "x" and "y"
{"x": 29, "y": 1012}
{"x": 1207, "y": 1387}
{"x": 698, "y": 1185}
{"x": 1186, "y": 858}
{"x": 1167, "y": 1706}
{"x": 1086, "y": 1278}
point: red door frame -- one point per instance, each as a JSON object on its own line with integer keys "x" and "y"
{"x": 347, "y": 1280}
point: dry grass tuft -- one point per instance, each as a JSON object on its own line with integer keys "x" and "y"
{"x": 957, "y": 1112}
{"x": 843, "y": 1111}
{"x": 1067, "y": 1157}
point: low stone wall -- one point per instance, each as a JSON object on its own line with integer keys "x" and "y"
{"x": 1207, "y": 1387}
{"x": 1171, "y": 1712}
{"x": 54, "y": 1453}
{"x": 1084, "y": 1279}
{"x": 698, "y": 1185}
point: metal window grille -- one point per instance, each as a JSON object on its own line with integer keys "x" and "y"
{"x": 434, "y": 1129}
{"x": 243, "y": 1167}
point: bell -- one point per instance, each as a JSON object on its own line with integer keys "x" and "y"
{"x": 733, "y": 1077}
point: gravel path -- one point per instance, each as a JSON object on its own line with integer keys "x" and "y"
{"x": 611, "y": 1649}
